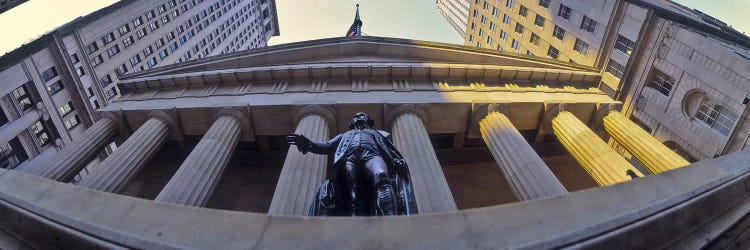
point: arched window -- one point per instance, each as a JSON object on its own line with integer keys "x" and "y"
{"x": 697, "y": 104}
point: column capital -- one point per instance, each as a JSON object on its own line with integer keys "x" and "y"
{"x": 169, "y": 118}
{"x": 118, "y": 117}
{"x": 602, "y": 110}
{"x": 247, "y": 132}
{"x": 393, "y": 111}
{"x": 327, "y": 112}
{"x": 480, "y": 110}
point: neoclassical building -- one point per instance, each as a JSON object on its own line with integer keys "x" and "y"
{"x": 505, "y": 151}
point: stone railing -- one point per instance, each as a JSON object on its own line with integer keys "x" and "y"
{"x": 683, "y": 208}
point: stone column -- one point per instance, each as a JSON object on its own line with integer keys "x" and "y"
{"x": 114, "y": 173}
{"x": 74, "y": 156}
{"x": 12, "y": 129}
{"x": 649, "y": 151}
{"x": 528, "y": 176}
{"x": 411, "y": 139}
{"x": 302, "y": 174}
{"x": 195, "y": 180}
{"x": 605, "y": 165}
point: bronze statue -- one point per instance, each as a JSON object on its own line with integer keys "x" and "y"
{"x": 371, "y": 177}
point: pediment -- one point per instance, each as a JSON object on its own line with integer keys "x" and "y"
{"x": 360, "y": 51}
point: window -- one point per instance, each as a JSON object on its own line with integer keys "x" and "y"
{"x": 661, "y": 82}
{"x": 124, "y": 29}
{"x": 72, "y": 122}
{"x": 173, "y": 46}
{"x": 481, "y": 33}
{"x": 495, "y": 11}
{"x": 161, "y": 8}
{"x": 65, "y": 109}
{"x": 588, "y": 24}
{"x": 509, "y": 4}
{"x": 49, "y": 74}
{"x": 615, "y": 68}
{"x": 544, "y": 3}
{"x": 90, "y": 91}
{"x": 581, "y": 46}
{"x": 151, "y": 62}
{"x": 534, "y": 39}
{"x": 106, "y": 80}
{"x": 476, "y": 13}
{"x": 506, "y": 19}
{"x": 150, "y": 14}
{"x": 175, "y": 13}
{"x": 486, "y": 5}
{"x": 716, "y": 116}
{"x": 97, "y": 60}
{"x": 92, "y": 47}
{"x": 135, "y": 60}
{"x": 122, "y": 69}
{"x": 55, "y": 87}
{"x": 113, "y": 50}
{"x": 539, "y": 21}
{"x": 108, "y": 38}
{"x": 484, "y": 19}
{"x": 148, "y": 51}
{"x": 80, "y": 71}
{"x": 528, "y": 53}
{"x": 559, "y": 33}
{"x": 23, "y": 98}
{"x": 473, "y": 26}
{"x": 553, "y": 52}
{"x": 489, "y": 40}
{"x": 625, "y": 45}
{"x": 41, "y": 133}
{"x": 493, "y": 27}
{"x": 170, "y": 36}
{"x": 564, "y": 12}
{"x": 154, "y": 26}
{"x": 514, "y": 44}
{"x": 165, "y": 19}
{"x": 519, "y": 28}
{"x": 137, "y": 22}
{"x": 141, "y": 33}
{"x": 128, "y": 41}
{"x": 159, "y": 43}
{"x": 523, "y": 11}
{"x": 503, "y": 35}
{"x": 74, "y": 58}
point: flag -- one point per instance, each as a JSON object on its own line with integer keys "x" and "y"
{"x": 356, "y": 29}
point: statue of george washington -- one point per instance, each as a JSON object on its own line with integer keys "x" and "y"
{"x": 371, "y": 177}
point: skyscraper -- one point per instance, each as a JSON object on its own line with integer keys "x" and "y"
{"x": 55, "y": 83}
{"x": 456, "y": 12}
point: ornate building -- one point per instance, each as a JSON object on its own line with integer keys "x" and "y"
{"x": 505, "y": 151}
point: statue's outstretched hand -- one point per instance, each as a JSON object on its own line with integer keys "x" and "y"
{"x": 303, "y": 144}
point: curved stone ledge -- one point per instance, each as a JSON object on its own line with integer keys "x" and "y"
{"x": 651, "y": 212}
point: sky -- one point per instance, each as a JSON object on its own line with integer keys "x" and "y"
{"x": 302, "y": 20}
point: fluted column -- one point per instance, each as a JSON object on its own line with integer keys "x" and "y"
{"x": 653, "y": 154}
{"x": 605, "y": 165}
{"x": 301, "y": 174}
{"x": 528, "y": 176}
{"x": 430, "y": 187}
{"x": 13, "y": 128}
{"x": 114, "y": 173}
{"x": 74, "y": 156}
{"x": 197, "y": 177}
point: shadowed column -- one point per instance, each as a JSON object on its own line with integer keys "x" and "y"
{"x": 301, "y": 174}
{"x": 605, "y": 166}
{"x": 74, "y": 157}
{"x": 197, "y": 177}
{"x": 430, "y": 187}
{"x": 115, "y": 172}
{"x": 13, "y": 128}
{"x": 649, "y": 151}
{"x": 528, "y": 176}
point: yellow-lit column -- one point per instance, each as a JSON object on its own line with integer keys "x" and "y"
{"x": 649, "y": 151}
{"x": 528, "y": 176}
{"x": 605, "y": 165}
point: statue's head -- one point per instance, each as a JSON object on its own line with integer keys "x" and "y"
{"x": 361, "y": 120}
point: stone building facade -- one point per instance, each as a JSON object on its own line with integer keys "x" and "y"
{"x": 456, "y": 12}
{"x": 504, "y": 150}
{"x": 72, "y": 71}
{"x": 680, "y": 73}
